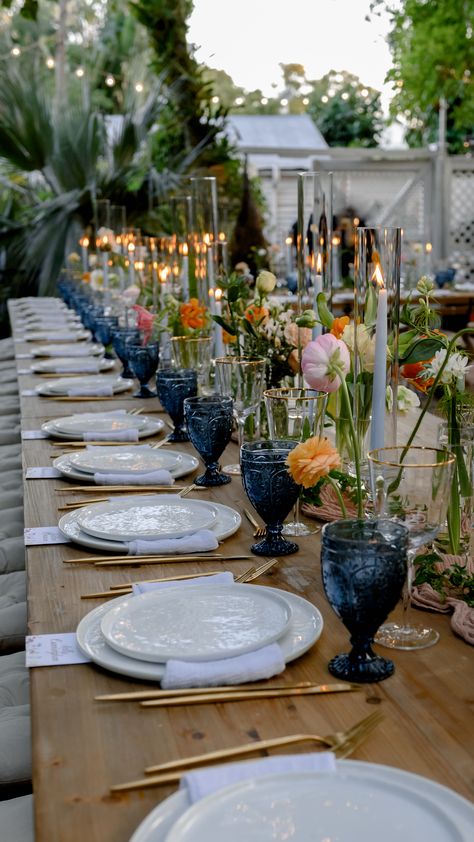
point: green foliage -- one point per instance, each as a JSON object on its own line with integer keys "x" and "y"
{"x": 455, "y": 581}
{"x": 433, "y": 56}
{"x": 346, "y": 112}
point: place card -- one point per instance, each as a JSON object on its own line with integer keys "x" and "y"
{"x": 37, "y": 536}
{"x": 42, "y": 473}
{"x": 53, "y": 650}
{"x": 29, "y": 393}
{"x": 34, "y": 434}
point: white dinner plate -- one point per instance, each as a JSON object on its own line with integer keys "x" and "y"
{"x": 58, "y": 335}
{"x": 99, "y": 422}
{"x": 139, "y": 518}
{"x": 84, "y": 349}
{"x": 72, "y": 365}
{"x": 451, "y": 814}
{"x": 151, "y": 428}
{"x": 185, "y": 464}
{"x": 305, "y": 629}
{"x": 88, "y": 385}
{"x": 196, "y": 623}
{"x": 228, "y": 521}
{"x": 123, "y": 460}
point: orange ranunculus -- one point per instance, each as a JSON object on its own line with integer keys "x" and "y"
{"x": 193, "y": 314}
{"x": 414, "y": 373}
{"x": 228, "y": 338}
{"x": 86, "y": 277}
{"x": 312, "y": 459}
{"x": 256, "y": 314}
{"x": 338, "y": 325}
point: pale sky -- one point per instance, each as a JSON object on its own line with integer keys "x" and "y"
{"x": 248, "y": 39}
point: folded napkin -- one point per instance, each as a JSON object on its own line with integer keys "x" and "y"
{"x": 113, "y": 435}
{"x": 82, "y": 350}
{"x": 199, "y": 542}
{"x": 462, "y": 620}
{"x": 202, "y": 782}
{"x": 90, "y": 367}
{"x": 87, "y": 392}
{"x": 218, "y": 579}
{"x": 158, "y": 477}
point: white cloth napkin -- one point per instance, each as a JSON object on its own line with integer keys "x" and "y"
{"x": 87, "y": 392}
{"x": 262, "y": 663}
{"x": 112, "y": 435}
{"x": 199, "y": 542}
{"x": 89, "y": 366}
{"x": 82, "y": 350}
{"x": 158, "y": 477}
{"x": 203, "y": 782}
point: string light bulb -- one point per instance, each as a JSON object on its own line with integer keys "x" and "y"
{"x": 50, "y": 62}
{"x": 139, "y": 87}
{"x": 16, "y": 51}
{"x": 109, "y": 81}
{"x": 80, "y": 72}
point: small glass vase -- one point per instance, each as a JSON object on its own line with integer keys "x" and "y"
{"x": 363, "y": 565}
{"x": 457, "y": 535}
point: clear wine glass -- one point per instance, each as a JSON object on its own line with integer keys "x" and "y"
{"x": 296, "y": 415}
{"x": 412, "y": 486}
{"x": 243, "y": 379}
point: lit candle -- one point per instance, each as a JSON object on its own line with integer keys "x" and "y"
{"x": 84, "y": 244}
{"x": 210, "y": 260}
{"x": 377, "y": 433}
{"x": 336, "y": 274}
{"x": 289, "y": 255}
{"x": 317, "y": 288}
{"x": 428, "y": 253}
{"x": 131, "y": 260}
{"x": 218, "y": 340}
{"x": 185, "y": 273}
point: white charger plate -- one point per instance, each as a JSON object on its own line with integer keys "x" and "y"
{"x": 152, "y": 427}
{"x": 123, "y": 460}
{"x": 457, "y": 812}
{"x": 72, "y": 365}
{"x": 161, "y": 516}
{"x": 62, "y": 387}
{"x": 99, "y": 422}
{"x": 228, "y": 521}
{"x": 86, "y": 349}
{"x": 59, "y": 335}
{"x": 186, "y": 464}
{"x": 305, "y": 629}
{"x": 196, "y": 623}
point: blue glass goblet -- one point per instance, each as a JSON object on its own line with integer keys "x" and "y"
{"x": 173, "y": 386}
{"x": 363, "y": 566}
{"x": 209, "y": 423}
{"x": 271, "y": 490}
{"x": 103, "y": 328}
{"x": 144, "y": 362}
{"x": 120, "y": 338}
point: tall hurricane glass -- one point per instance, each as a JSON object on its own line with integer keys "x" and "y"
{"x": 243, "y": 380}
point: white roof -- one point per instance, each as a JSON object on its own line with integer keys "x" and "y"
{"x": 282, "y": 133}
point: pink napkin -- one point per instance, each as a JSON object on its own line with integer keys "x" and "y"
{"x": 330, "y": 509}
{"x": 462, "y": 620}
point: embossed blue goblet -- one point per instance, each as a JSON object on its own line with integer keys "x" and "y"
{"x": 103, "y": 328}
{"x": 271, "y": 490}
{"x": 209, "y": 423}
{"x": 363, "y": 565}
{"x": 173, "y": 386}
{"x": 120, "y": 339}
{"x": 144, "y": 362}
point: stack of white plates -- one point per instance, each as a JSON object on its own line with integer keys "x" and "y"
{"x": 73, "y": 427}
{"x": 88, "y": 385}
{"x": 357, "y": 801}
{"x": 70, "y": 333}
{"x": 124, "y": 460}
{"x": 137, "y": 635}
{"x": 72, "y": 365}
{"x": 84, "y": 349}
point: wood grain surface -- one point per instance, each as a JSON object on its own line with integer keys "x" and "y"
{"x": 82, "y": 747}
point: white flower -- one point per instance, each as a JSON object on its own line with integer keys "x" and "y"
{"x": 454, "y": 370}
{"x": 73, "y": 257}
{"x": 97, "y": 279}
{"x": 406, "y": 399}
{"x": 266, "y": 281}
{"x": 365, "y": 344}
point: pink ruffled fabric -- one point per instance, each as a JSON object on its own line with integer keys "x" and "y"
{"x": 462, "y": 620}
{"x": 330, "y": 510}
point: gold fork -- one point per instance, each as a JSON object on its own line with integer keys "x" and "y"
{"x": 342, "y": 743}
{"x": 259, "y": 531}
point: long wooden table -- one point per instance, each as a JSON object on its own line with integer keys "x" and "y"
{"x": 82, "y": 747}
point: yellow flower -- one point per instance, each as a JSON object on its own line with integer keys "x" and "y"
{"x": 312, "y": 459}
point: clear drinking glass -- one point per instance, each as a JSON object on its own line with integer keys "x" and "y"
{"x": 296, "y": 415}
{"x": 194, "y": 352}
{"x": 459, "y": 537}
{"x": 412, "y": 486}
{"x": 243, "y": 379}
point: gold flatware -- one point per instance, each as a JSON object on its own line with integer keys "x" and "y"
{"x": 78, "y": 443}
{"x": 122, "y": 590}
{"x": 130, "y": 560}
{"x": 245, "y": 695}
{"x": 340, "y": 743}
{"x": 140, "y": 489}
{"x": 143, "y": 559}
{"x": 182, "y": 492}
{"x": 338, "y": 738}
{"x": 259, "y": 571}
{"x": 142, "y": 695}
{"x": 259, "y": 531}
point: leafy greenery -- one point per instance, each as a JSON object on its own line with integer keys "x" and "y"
{"x": 346, "y": 112}
{"x": 432, "y": 47}
{"x": 455, "y": 581}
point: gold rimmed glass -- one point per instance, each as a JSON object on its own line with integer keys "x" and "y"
{"x": 243, "y": 379}
{"x": 295, "y": 414}
{"x": 412, "y": 486}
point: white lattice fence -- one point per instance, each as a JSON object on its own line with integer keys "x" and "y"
{"x": 460, "y": 215}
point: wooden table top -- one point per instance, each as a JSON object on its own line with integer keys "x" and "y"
{"x": 82, "y": 747}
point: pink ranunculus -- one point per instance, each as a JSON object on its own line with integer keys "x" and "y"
{"x": 144, "y": 322}
{"x": 322, "y": 361}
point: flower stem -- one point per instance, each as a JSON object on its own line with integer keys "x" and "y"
{"x": 355, "y": 443}
{"x": 339, "y": 496}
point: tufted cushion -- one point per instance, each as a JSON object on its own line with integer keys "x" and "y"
{"x": 12, "y": 554}
{"x": 16, "y": 819}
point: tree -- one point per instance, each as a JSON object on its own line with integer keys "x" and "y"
{"x": 432, "y": 47}
{"x": 346, "y": 112}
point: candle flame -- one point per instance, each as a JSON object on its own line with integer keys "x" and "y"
{"x": 289, "y": 241}
{"x": 84, "y": 242}
{"x": 319, "y": 264}
{"x": 222, "y": 236}
{"x": 336, "y": 241}
{"x": 207, "y": 239}
{"x": 211, "y": 292}
{"x": 218, "y": 294}
{"x": 163, "y": 274}
{"x": 131, "y": 247}
{"x": 185, "y": 249}
{"x": 378, "y": 277}
{"x": 428, "y": 248}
